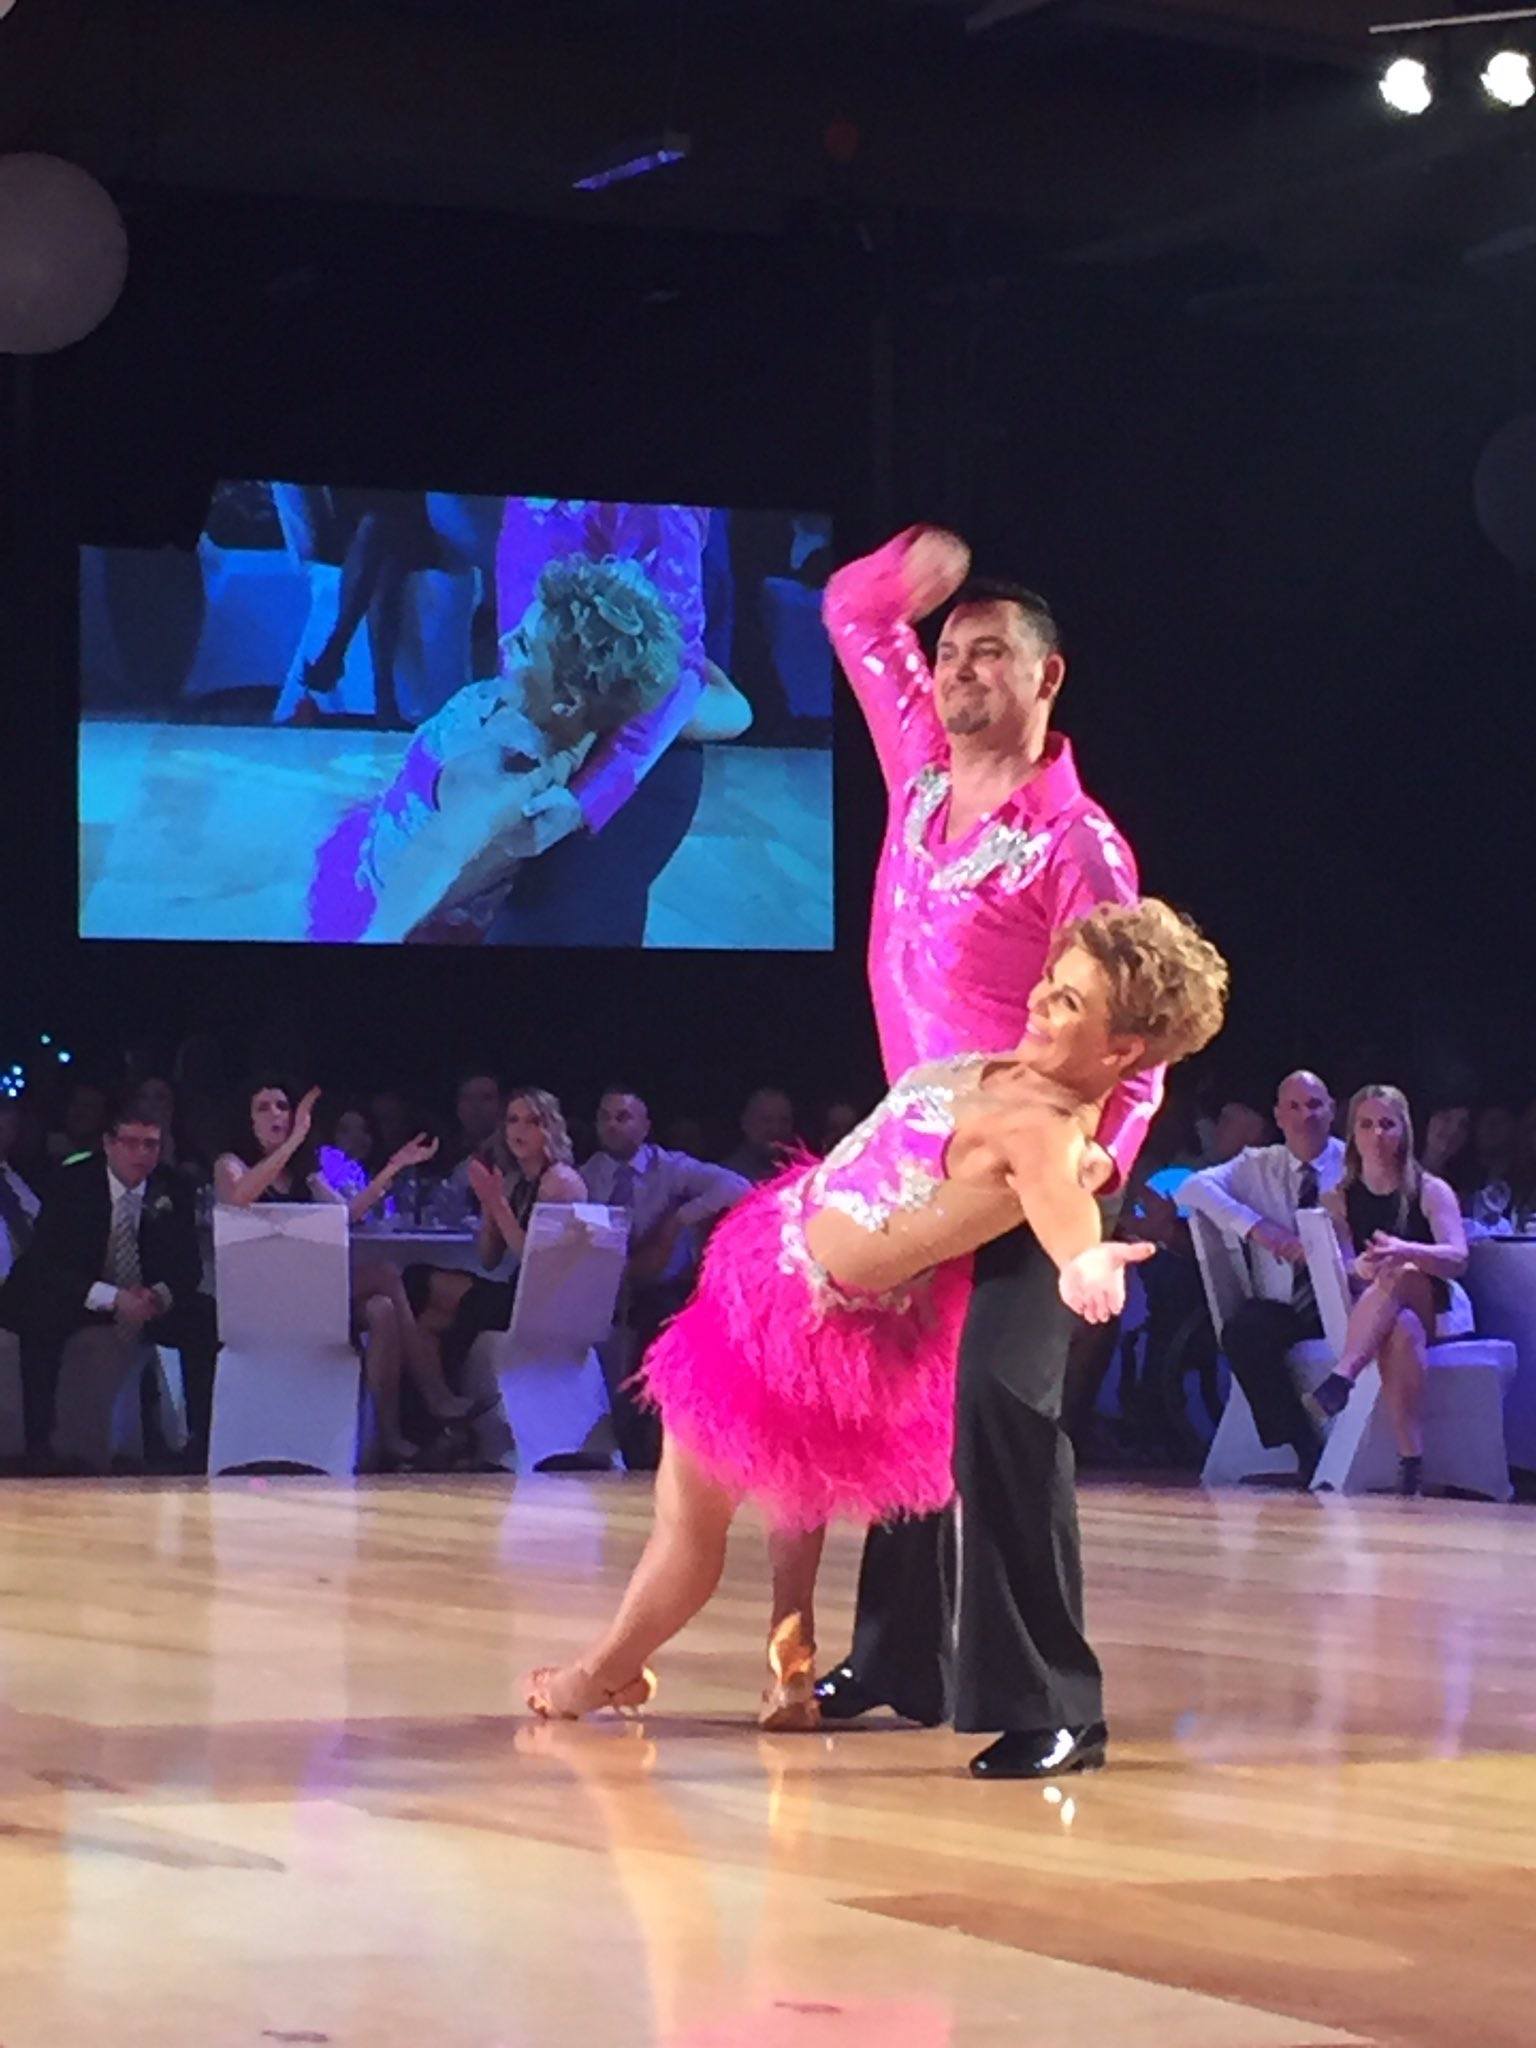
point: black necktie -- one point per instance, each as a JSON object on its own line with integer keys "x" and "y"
{"x": 16, "y": 1220}
{"x": 622, "y": 1193}
{"x": 1302, "y": 1297}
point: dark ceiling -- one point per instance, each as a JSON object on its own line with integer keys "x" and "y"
{"x": 1241, "y": 139}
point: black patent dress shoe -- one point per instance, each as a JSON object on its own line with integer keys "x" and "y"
{"x": 1044, "y": 1753}
{"x": 844, "y": 1697}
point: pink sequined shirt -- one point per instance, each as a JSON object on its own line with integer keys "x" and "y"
{"x": 961, "y": 928}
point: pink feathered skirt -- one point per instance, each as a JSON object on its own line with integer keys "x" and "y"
{"x": 817, "y": 1403}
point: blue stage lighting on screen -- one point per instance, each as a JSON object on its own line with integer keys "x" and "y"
{"x": 46, "y": 1039}
{"x": 64, "y": 1057}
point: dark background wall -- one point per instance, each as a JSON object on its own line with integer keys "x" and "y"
{"x": 1300, "y": 673}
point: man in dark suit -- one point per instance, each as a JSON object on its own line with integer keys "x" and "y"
{"x": 113, "y": 1264}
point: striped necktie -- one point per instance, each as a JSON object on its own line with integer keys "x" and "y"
{"x": 123, "y": 1267}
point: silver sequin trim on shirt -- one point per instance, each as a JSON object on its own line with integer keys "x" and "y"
{"x": 1011, "y": 852}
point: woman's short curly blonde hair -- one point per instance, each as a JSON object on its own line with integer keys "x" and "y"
{"x": 614, "y": 641}
{"x": 1167, "y": 982}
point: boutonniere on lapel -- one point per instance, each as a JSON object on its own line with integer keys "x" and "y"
{"x": 158, "y": 1205}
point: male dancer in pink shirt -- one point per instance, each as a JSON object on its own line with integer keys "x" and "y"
{"x": 990, "y": 847}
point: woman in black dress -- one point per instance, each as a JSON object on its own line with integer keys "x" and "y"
{"x": 533, "y": 1164}
{"x": 271, "y": 1159}
{"x": 1404, "y": 1243}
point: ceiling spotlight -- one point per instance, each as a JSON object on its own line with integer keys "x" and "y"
{"x": 1507, "y": 78}
{"x": 1405, "y": 87}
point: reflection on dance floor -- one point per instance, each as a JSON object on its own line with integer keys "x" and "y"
{"x": 264, "y": 1779}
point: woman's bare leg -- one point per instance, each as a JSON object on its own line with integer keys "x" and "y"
{"x": 381, "y": 1370}
{"x": 1403, "y": 1366}
{"x": 421, "y": 1340}
{"x": 679, "y": 1569}
{"x": 790, "y": 1700}
{"x": 1371, "y": 1321}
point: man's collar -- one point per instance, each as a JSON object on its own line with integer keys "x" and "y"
{"x": 637, "y": 1162}
{"x": 1301, "y": 1164}
{"x": 1053, "y": 788}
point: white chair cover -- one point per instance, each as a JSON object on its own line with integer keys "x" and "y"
{"x": 286, "y": 1391}
{"x": 1501, "y": 1279}
{"x": 554, "y": 1399}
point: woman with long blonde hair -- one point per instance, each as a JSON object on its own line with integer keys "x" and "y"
{"x": 533, "y": 1164}
{"x": 1404, "y": 1243}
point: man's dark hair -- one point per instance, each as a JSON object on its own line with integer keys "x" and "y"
{"x": 623, "y": 1088}
{"x": 467, "y": 1074}
{"x": 125, "y": 1109}
{"x": 998, "y": 590}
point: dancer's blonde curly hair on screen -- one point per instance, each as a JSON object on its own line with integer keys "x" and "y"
{"x": 613, "y": 640}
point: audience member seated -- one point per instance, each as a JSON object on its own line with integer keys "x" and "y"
{"x": 767, "y": 1136}
{"x": 532, "y": 1165}
{"x": 1253, "y": 1199}
{"x": 80, "y": 1126}
{"x": 478, "y": 1105}
{"x": 1155, "y": 1213}
{"x": 270, "y": 1160}
{"x": 1404, "y": 1243}
{"x": 1494, "y": 1137}
{"x": 113, "y": 1261}
{"x": 1447, "y": 1149}
{"x": 346, "y": 1154}
{"x": 393, "y": 1122}
{"x": 18, "y": 1204}
{"x": 1522, "y": 1176}
{"x": 670, "y": 1197}
{"x": 156, "y": 1098}
{"x": 838, "y": 1120}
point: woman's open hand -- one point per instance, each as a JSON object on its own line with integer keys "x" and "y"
{"x": 304, "y": 1116}
{"x": 1093, "y": 1284}
{"x": 414, "y": 1152}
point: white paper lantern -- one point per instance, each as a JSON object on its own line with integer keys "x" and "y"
{"x": 63, "y": 254}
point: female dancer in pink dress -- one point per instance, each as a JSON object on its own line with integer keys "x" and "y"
{"x": 814, "y": 1367}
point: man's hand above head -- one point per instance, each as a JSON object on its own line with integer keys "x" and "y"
{"x": 933, "y": 568}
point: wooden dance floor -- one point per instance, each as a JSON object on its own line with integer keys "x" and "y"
{"x": 264, "y": 1780}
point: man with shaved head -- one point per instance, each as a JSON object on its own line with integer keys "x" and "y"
{"x": 1253, "y": 1199}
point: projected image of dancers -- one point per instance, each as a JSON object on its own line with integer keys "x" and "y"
{"x": 521, "y": 721}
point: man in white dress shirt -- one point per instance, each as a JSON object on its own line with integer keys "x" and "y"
{"x": 1253, "y": 1200}
{"x": 671, "y": 1198}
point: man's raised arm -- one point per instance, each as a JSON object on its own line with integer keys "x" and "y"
{"x": 869, "y": 608}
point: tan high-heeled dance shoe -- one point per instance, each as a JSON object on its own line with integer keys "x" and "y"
{"x": 789, "y": 1703}
{"x": 630, "y": 1698}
